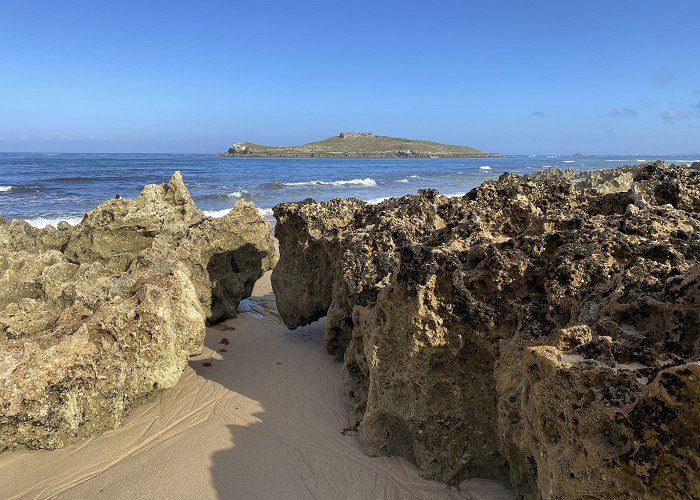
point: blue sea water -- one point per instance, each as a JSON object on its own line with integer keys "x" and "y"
{"x": 44, "y": 188}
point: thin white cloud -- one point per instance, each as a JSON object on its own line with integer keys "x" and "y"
{"x": 676, "y": 114}
{"x": 623, "y": 113}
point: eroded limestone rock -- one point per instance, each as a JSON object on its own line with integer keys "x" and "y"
{"x": 532, "y": 331}
{"x": 96, "y": 318}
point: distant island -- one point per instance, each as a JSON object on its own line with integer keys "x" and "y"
{"x": 360, "y": 145}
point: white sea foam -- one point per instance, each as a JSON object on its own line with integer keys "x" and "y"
{"x": 44, "y": 221}
{"x": 414, "y": 177}
{"x": 402, "y": 180}
{"x": 454, "y": 195}
{"x": 251, "y": 308}
{"x": 485, "y": 167}
{"x": 216, "y": 213}
{"x": 617, "y": 161}
{"x": 236, "y": 194}
{"x": 4, "y": 189}
{"x": 367, "y": 182}
{"x": 569, "y": 161}
{"x": 641, "y": 160}
{"x": 265, "y": 212}
{"x": 375, "y": 201}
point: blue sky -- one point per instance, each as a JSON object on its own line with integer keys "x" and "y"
{"x": 546, "y": 76}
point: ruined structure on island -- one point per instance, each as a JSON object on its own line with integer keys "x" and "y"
{"x": 97, "y": 318}
{"x": 355, "y": 135}
{"x": 535, "y": 331}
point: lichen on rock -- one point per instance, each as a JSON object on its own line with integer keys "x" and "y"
{"x": 97, "y": 318}
{"x": 542, "y": 332}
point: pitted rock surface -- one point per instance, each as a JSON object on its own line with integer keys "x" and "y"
{"x": 97, "y": 318}
{"x": 542, "y": 332}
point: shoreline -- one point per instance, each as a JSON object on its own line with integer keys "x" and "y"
{"x": 74, "y": 219}
{"x": 46, "y": 197}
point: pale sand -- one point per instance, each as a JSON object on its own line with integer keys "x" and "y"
{"x": 265, "y": 421}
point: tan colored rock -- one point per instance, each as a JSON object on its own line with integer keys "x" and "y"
{"x": 532, "y": 332}
{"x": 616, "y": 180}
{"x": 310, "y": 237}
{"x": 97, "y": 318}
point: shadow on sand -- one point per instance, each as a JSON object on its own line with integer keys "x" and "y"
{"x": 289, "y": 412}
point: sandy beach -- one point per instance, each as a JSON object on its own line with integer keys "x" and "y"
{"x": 265, "y": 420}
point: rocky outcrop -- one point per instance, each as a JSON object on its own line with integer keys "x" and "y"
{"x": 97, "y": 318}
{"x": 614, "y": 180}
{"x": 531, "y": 331}
{"x": 238, "y": 149}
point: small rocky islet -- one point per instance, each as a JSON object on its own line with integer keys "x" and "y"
{"x": 359, "y": 145}
{"x": 541, "y": 330}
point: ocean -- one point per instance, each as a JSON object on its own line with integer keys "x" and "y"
{"x": 44, "y": 188}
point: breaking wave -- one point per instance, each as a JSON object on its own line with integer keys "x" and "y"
{"x": 237, "y": 194}
{"x": 42, "y": 222}
{"x": 367, "y": 182}
{"x": 375, "y": 201}
{"x": 216, "y": 213}
{"x": 5, "y": 189}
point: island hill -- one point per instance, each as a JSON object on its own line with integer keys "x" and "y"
{"x": 360, "y": 145}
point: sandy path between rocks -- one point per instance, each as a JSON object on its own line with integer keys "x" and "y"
{"x": 265, "y": 421}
